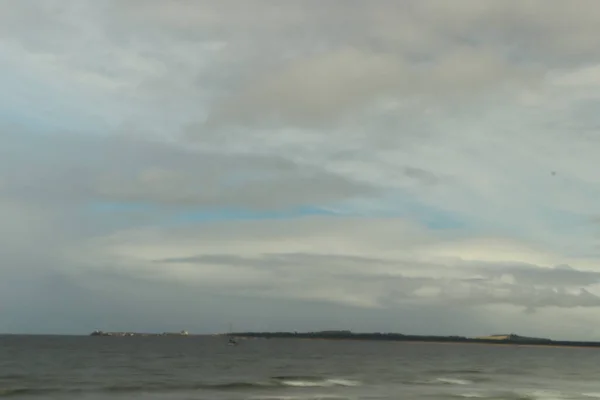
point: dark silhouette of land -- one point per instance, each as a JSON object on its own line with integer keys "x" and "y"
{"x": 504, "y": 339}
{"x": 398, "y": 337}
{"x": 121, "y": 334}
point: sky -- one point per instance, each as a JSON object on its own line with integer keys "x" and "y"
{"x": 423, "y": 167}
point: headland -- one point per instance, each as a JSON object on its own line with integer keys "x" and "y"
{"x": 497, "y": 339}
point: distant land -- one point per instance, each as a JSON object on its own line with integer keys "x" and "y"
{"x": 120, "y": 334}
{"x": 398, "y": 337}
{"x": 377, "y": 336}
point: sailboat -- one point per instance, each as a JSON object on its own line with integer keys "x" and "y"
{"x": 232, "y": 341}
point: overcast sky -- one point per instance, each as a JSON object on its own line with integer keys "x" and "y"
{"x": 426, "y": 166}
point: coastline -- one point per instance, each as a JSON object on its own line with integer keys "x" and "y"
{"x": 495, "y": 340}
{"x": 512, "y": 340}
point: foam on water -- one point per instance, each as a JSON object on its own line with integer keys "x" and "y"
{"x": 316, "y": 396}
{"x": 453, "y": 381}
{"x": 526, "y": 394}
{"x": 542, "y": 394}
{"x": 317, "y": 382}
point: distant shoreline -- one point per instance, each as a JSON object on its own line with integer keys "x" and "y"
{"x": 130, "y": 334}
{"x": 396, "y": 337}
{"x": 498, "y": 340}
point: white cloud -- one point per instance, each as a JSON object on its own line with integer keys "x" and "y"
{"x": 320, "y": 259}
{"x": 323, "y": 88}
{"x": 162, "y": 174}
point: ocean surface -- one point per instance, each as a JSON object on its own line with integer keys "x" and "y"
{"x": 286, "y": 369}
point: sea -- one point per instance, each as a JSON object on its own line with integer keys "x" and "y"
{"x": 195, "y": 367}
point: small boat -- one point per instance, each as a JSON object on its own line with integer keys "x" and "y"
{"x": 231, "y": 341}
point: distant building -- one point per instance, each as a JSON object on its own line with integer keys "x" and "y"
{"x": 494, "y": 337}
{"x": 102, "y": 333}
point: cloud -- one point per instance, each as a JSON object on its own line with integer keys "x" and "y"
{"x": 235, "y": 180}
{"x": 152, "y": 172}
{"x": 562, "y": 275}
{"x": 407, "y": 166}
{"x": 330, "y": 261}
{"x": 323, "y": 88}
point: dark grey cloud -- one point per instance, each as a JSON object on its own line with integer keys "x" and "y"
{"x": 113, "y": 169}
{"x": 64, "y": 304}
{"x": 421, "y": 175}
{"x": 383, "y": 24}
{"x": 391, "y": 282}
{"x": 561, "y": 275}
{"x": 532, "y": 298}
{"x": 281, "y": 259}
{"x": 293, "y": 67}
{"x": 322, "y": 89}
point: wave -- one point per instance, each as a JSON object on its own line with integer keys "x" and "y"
{"x": 311, "y": 397}
{"x": 526, "y": 394}
{"x": 10, "y": 392}
{"x": 273, "y": 382}
{"x": 473, "y": 395}
{"x": 453, "y": 381}
{"x": 539, "y": 394}
{"x": 279, "y": 381}
{"x": 307, "y": 381}
{"x": 457, "y": 371}
{"x": 33, "y": 391}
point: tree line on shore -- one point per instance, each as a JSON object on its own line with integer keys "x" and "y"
{"x": 348, "y": 335}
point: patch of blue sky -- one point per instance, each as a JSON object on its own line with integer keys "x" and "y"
{"x": 559, "y": 222}
{"x": 232, "y": 214}
{"x": 397, "y": 207}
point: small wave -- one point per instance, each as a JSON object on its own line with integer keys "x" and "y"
{"x": 312, "y": 397}
{"x": 313, "y": 381}
{"x": 343, "y": 382}
{"x": 234, "y": 385}
{"x": 15, "y": 392}
{"x": 453, "y": 381}
{"x": 596, "y": 395}
{"x": 297, "y": 377}
{"x": 273, "y": 383}
{"x": 37, "y": 391}
{"x": 542, "y": 395}
{"x": 457, "y": 371}
{"x": 473, "y": 395}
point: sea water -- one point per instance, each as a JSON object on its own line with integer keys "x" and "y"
{"x": 62, "y": 367}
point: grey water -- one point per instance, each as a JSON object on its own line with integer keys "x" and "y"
{"x": 94, "y": 368}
